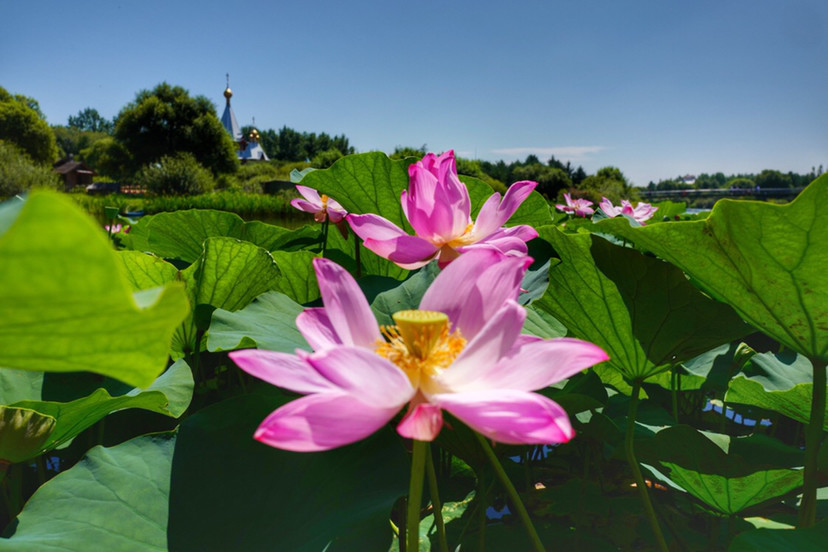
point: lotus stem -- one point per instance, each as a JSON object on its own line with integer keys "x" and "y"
{"x": 436, "y": 505}
{"x": 675, "y": 387}
{"x": 629, "y": 448}
{"x": 514, "y": 497}
{"x": 325, "y": 226}
{"x": 357, "y": 242}
{"x": 415, "y": 496}
{"x": 813, "y": 439}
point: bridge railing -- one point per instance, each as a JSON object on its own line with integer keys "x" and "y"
{"x": 721, "y": 192}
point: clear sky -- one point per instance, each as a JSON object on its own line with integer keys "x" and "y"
{"x": 658, "y": 88}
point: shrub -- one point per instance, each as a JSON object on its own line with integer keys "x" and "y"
{"x": 326, "y": 158}
{"x": 18, "y": 173}
{"x": 178, "y": 174}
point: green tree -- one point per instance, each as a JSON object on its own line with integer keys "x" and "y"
{"x": 550, "y": 179}
{"x": 178, "y": 174}
{"x": 578, "y": 176}
{"x": 71, "y": 140}
{"x": 472, "y": 168}
{"x": 89, "y": 120}
{"x": 325, "y": 159}
{"x": 18, "y": 173}
{"x": 773, "y": 179}
{"x": 166, "y": 120}
{"x": 402, "y": 152}
{"x": 21, "y": 125}
{"x": 741, "y": 183}
{"x": 290, "y": 145}
{"x": 31, "y": 103}
{"x": 109, "y": 158}
{"x": 608, "y": 182}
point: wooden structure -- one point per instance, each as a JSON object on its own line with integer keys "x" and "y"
{"x": 74, "y": 173}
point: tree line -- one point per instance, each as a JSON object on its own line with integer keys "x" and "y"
{"x": 768, "y": 178}
{"x": 165, "y": 134}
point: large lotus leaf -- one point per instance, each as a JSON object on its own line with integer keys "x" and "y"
{"x": 768, "y": 261}
{"x": 812, "y": 539}
{"x": 113, "y": 499}
{"x": 727, "y": 481}
{"x": 365, "y": 183}
{"x": 22, "y": 433}
{"x": 146, "y": 271}
{"x": 717, "y": 365}
{"x": 298, "y": 277}
{"x": 180, "y": 235}
{"x": 668, "y": 210}
{"x": 19, "y": 385}
{"x": 170, "y": 395}
{"x": 534, "y": 211}
{"x": 373, "y": 183}
{"x": 230, "y": 273}
{"x": 230, "y": 492}
{"x": 642, "y": 311}
{"x": 406, "y": 296}
{"x": 542, "y": 324}
{"x": 343, "y": 252}
{"x": 780, "y": 382}
{"x": 65, "y": 305}
{"x": 269, "y": 322}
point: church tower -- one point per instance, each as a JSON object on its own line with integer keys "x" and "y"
{"x": 249, "y": 148}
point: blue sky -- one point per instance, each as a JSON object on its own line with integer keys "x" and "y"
{"x": 656, "y": 88}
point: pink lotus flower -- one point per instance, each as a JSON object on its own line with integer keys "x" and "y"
{"x": 642, "y": 212}
{"x": 577, "y": 207}
{"x": 438, "y": 206}
{"x": 323, "y": 208}
{"x": 461, "y": 352}
{"x": 117, "y": 228}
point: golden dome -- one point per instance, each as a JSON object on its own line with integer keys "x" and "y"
{"x": 228, "y": 93}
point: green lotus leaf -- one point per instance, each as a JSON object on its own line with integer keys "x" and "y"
{"x": 642, "y": 311}
{"x": 542, "y": 324}
{"x": 767, "y": 261}
{"x": 298, "y": 277}
{"x": 169, "y": 395}
{"x": 365, "y": 183}
{"x": 64, "y": 302}
{"x": 268, "y": 322}
{"x": 19, "y": 385}
{"x": 113, "y": 499}
{"x": 229, "y": 274}
{"x": 373, "y": 183}
{"x": 22, "y": 433}
{"x": 812, "y": 539}
{"x": 779, "y": 382}
{"x": 725, "y": 474}
{"x": 405, "y": 296}
{"x": 180, "y": 235}
{"x": 227, "y": 489}
{"x": 534, "y": 211}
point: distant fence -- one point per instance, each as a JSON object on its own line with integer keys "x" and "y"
{"x": 764, "y": 193}
{"x": 106, "y": 188}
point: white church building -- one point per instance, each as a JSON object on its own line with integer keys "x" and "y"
{"x": 249, "y": 149}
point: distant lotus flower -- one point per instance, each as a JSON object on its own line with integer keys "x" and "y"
{"x": 577, "y": 207}
{"x": 642, "y": 212}
{"x": 438, "y": 206}
{"x": 323, "y": 208}
{"x": 116, "y": 228}
{"x": 461, "y": 352}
